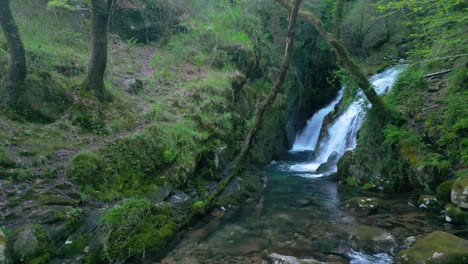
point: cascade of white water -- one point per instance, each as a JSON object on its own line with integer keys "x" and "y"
{"x": 307, "y": 140}
{"x": 341, "y": 135}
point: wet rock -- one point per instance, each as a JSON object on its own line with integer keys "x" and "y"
{"x": 454, "y": 214}
{"x": 362, "y": 205}
{"x": 178, "y": 197}
{"x": 31, "y": 242}
{"x": 409, "y": 241}
{"x": 372, "y": 240}
{"x": 330, "y": 164}
{"x": 459, "y": 195}
{"x": 428, "y": 202}
{"x": 444, "y": 191}
{"x": 5, "y": 257}
{"x": 280, "y": 259}
{"x": 437, "y": 248}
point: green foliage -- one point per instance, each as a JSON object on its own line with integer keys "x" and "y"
{"x": 439, "y": 26}
{"x": 352, "y": 182}
{"x": 134, "y": 227}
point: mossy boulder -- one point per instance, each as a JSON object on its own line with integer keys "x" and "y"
{"x": 31, "y": 244}
{"x": 51, "y": 199}
{"x": 5, "y": 257}
{"x": 455, "y": 214}
{"x": 372, "y": 240}
{"x": 444, "y": 191}
{"x": 134, "y": 227}
{"x": 459, "y": 194}
{"x": 362, "y": 205}
{"x": 438, "y": 248}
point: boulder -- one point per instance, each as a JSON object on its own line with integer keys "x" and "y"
{"x": 280, "y": 259}
{"x": 459, "y": 195}
{"x": 444, "y": 191}
{"x": 437, "y": 248}
{"x": 31, "y": 242}
{"x": 362, "y": 205}
{"x": 5, "y": 257}
{"x": 330, "y": 164}
{"x": 454, "y": 214}
{"x": 372, "y": 240}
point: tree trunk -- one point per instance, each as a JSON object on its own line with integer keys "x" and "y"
{"x": 94, "y": 81}
{"x": 17, "y": 70}
{"x": 259, "y": 115}
{"x": 343, "y": 57}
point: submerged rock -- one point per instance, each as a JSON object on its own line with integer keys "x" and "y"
{"x": 459, "y": 193}
{"x": 362, "y": 205}
{"x": 372, "y": 240}
{"x": 5, "y": 257}
{"x": 280, "y": 259}
{"x": 438, "y": 247}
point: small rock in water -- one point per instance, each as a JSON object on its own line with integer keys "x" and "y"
{"x": 362, "y": 205}
{"x": 280, "y": 259}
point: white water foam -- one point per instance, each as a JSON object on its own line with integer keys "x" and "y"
{"x": 341, "y": 135}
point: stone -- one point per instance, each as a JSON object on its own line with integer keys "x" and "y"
{"x": 362, "y": 205}
{"x": 31, "y": 242}
{"x": 178, "y": 197}
{"x": 459, "y": 195}
{"x": 437, "y": 248}
{"x": 5, "y": 257}
{"x": 47, "y": 199}
{"x": 372, "y": 240}
{"x": 329, "y": 164}
{"x": 454, "y": 214}
{"x": 280, "y": 259}
{"x": 161, "y": 194}
{"x": 444, "y": 191}
{"x": 428, "y": 202}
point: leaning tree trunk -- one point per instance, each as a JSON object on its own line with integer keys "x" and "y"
{"x": 259, "y": 115}
{"x": 17, "y": 70}
{"x": 94, "y": 81}
{"x": 343, "y": 57}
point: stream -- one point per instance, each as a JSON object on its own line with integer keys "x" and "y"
{"x": 301, "y": 213}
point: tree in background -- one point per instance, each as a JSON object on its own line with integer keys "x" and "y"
{"x": 343, "y": 56}
{"x": 100, "y": 12}
{"x": 17, "y": 70}
{"x": 439, "y": 27}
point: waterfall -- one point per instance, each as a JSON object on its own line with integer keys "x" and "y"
{"x": 307, "y": 140}
{"x": 341, "y": 135}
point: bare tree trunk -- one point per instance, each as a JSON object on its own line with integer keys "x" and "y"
{"x": 344, "y": 58}
{"x": 98, "y": 59}
{"x": 17, "y": 70}
{"x": 259, "y": 115}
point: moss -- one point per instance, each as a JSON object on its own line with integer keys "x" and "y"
{"x": 457, "y": 215}
{"x": 444, "y": 191}
{"x": 134, "y": 227}
{"x": 199, "y": 207}
{"x": 350, "y": 181}
{"x": 5, "y": 160}
{"x": 47, "y": 199}
{"x": 42, "y": 259}
{"x": 449, "y": 249}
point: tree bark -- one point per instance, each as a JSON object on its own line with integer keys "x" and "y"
{"x": 100, "y": 11}
{"x": 259, "y": 114}
{"x": 343, "y": 57}
{"x": 17, "y": 69}
{"x": 339, "y": 9}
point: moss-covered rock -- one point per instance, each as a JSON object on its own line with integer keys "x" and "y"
{"x": 134, "y": 227}
{"x": 444, "y": 191}
{"x": 459, "y": 193}
{"x": 362, "y": 205}
{"x": 5, "y": 257}
{"x": 438, "y": 248}
{"x": 455, "y": 214}
{"x": 32, "y": 244}
{"x": 372, "y": 240}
